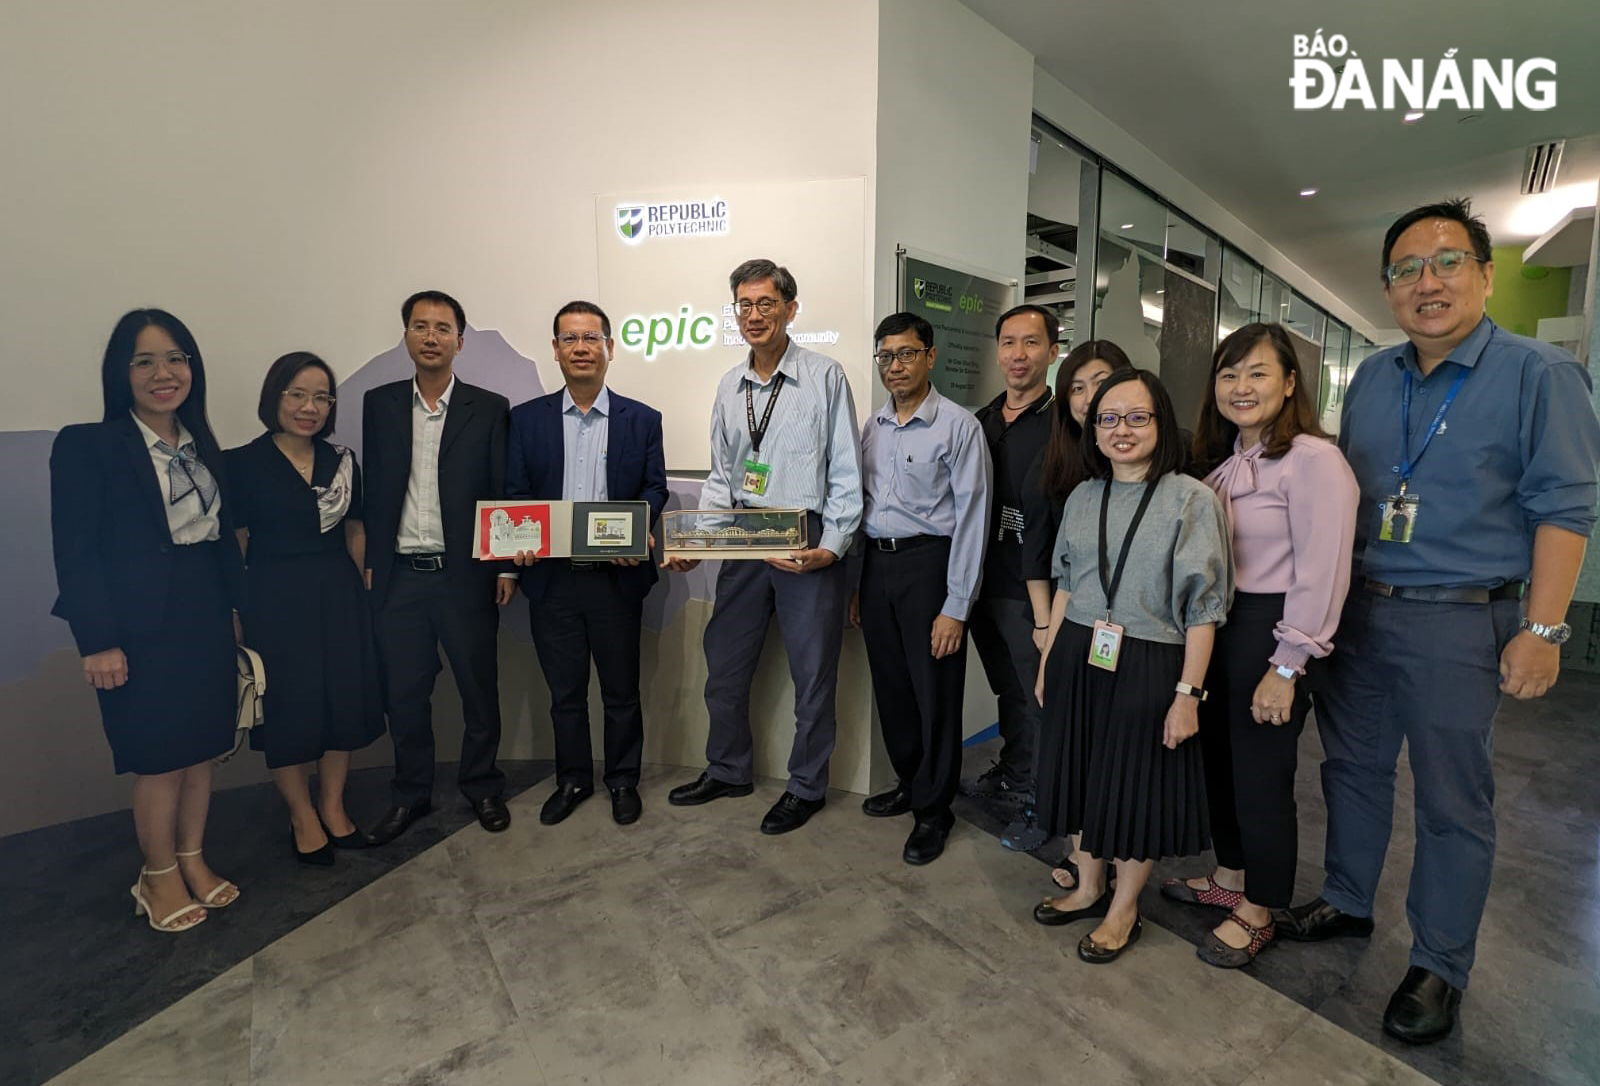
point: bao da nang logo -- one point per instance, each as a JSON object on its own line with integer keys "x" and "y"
{"x": 674, "y": 219}
{"x": 1328, "y": 74}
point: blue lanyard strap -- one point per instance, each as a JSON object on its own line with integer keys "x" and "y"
{"x": 1407, "y": 462}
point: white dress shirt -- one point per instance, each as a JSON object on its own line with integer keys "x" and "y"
{"x": 421, "y": 524}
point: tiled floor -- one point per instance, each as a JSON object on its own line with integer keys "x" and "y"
{"x": 689, "y": 948}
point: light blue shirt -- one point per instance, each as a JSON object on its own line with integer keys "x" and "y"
{"x": 931, "y": 476}
{"x": 811, "y": 444}
{"x": 584, "y": 436}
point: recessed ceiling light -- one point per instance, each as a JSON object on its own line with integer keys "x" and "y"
{"x": 1127, "y": 226}
{"x": 1308, "y": 192}
{"x": 1412, "y": 116}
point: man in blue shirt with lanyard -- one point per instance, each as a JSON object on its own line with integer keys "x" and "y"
{"x": 1476, "y": 451}
{"x": 783, "y": 436}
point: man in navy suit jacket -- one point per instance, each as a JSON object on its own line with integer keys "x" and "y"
{"x": 586, "y": 443}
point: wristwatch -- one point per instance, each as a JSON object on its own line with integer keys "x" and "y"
{"x": 1193, "y": 691}
{"x": 1556, "y": 635}
{"x": 1285, "y": 672}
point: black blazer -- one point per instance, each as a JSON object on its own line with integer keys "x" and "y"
{"x": 472, "y": 467}
{"x": 636, "y": 470}
{"x": 113, "y": 547}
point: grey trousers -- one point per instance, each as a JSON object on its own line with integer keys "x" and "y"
{"x": 810, "y": 609}
{"x": 1427, "y": 674}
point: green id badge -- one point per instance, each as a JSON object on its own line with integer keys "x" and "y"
{"x": 756, "y": 476}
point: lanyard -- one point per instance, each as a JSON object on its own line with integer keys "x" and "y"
{"x": 1110, "y": 587}
{"x": 759, "y": 432}
{"x": 1408, "y": 463}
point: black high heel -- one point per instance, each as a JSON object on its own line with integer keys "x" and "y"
{"x": 352, "y": 840}
{"x": 322, "y": 857}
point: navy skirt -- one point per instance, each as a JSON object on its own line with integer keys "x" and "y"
{"x": 179, "y": 705}
{"x": 1102, "y": 769}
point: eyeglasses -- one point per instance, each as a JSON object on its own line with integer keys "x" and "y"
{"x": 442, "y": 329}
{"x": 765, "y": 306}
{"x": 905, "y": 356}
{"x": 299, "y": 397}
{"x": 146, "y": 363}
{"x": 572, "y": 339}
{"x": 1107, "y": 420}
{"x": 1445, "y": 265}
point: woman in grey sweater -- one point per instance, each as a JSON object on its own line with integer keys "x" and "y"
{"x": 1142, "y": 581}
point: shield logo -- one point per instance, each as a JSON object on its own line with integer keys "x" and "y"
{"x": 630, "y": 222}
{"x": 918, "y": 287}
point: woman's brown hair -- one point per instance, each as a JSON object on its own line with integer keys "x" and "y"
{"x": 1214, "y": 436}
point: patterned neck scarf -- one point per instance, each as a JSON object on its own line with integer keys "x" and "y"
{"x": 186, "y": 474}
{"x": 1236, "y": 476}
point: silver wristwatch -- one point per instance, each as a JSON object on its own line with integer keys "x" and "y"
{"x": 1556, "y": 635}
{"x": 1285, "y": 672}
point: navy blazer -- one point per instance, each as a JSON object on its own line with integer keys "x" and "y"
{"x": 113, "y": 546}
{"x": 636, "y": 470}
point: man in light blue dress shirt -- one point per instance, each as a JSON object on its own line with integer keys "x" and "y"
{"x": 783, "y": 436}
{"x": 926, "y": 480}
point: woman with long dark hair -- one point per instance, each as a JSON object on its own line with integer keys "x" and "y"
{"x": 1044, "y": 492}
{"x": 299, "y": 517}
{"x": 147, "y": 582}
{"x": 1142, "y": 582}
{"x": 1291, "y": 504}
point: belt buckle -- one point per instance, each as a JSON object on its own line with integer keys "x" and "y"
{"x": 1378, "y": 588}
{"x": 426, "y": 563}
{"x": 890, "y": 545}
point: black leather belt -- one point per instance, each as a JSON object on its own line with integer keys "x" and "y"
{"x": 586, "y": 567}
{"x": 422, "y": 563}
{"x": 906, "y": 543}
{"x": 1512, "y": 590}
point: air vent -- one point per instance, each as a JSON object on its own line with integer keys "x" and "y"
{"x": 1539, "y": 170}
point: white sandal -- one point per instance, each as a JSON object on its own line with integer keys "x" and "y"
{"x": 169, "y": 923}
{"x": 209, "y": 901}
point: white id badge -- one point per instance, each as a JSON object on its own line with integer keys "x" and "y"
{"x": 1105, "y": 645}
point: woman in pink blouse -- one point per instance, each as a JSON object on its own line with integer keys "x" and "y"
{"x": 1291, "y": 504}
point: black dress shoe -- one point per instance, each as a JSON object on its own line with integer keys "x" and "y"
{"x": 1049, "y": 915}
{"x": 896, "y": 801}
{"x": 1422, "y": 1009}
{"x": 926, "y": 843}
{"x": 395, "y": 822}
{"x": 705, "y": 789}
{"x": 789, "y": 813}
{"x": 625, "y": 805}
{"x": 563, "y": 801}
{"x": 1096, "y": 954}
{"x": 492, "y": 813}
{"x": 1316, "y": 920}
{"x": 318, "y": 857}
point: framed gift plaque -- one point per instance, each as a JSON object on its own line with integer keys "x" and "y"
{"x": 733, "y": 533}
{"x": 589, "y": 531}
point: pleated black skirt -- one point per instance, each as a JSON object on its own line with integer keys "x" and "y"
{"x": 1103, "y": 771}
{"x": 178, "y": 707}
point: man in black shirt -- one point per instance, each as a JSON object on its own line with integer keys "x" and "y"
{"x": 1017, "y": 426}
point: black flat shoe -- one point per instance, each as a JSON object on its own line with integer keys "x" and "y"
{"x": 395, "y": 822}
{"x": 492, "y": 813}
{"x": 790, "y": 813}
{"x": 1050, "y": 916}
{"x": 926, "y": 843}
{"x": 1422, "y": 1009}
{"x": 563, "y": 801}
{"x": 625, "y": 805}
{"x": 318, "y": 857}
{"x": 896, "y": 801}
{"x": 704, "y": 789}
{"x": 1316, "y": 920}
{"x": 1095, "y": 954}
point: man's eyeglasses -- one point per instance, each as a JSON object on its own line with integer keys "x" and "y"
{"x": 1107, "y": 420}
{"x": 905, "y": 356}
{"x": 1445, "y": 265}
{"x": 299, "y": 397}
{"x": 146, "y": 363}
{"x": 572, "y": 339}
{"x": 441, "y": 329}
{"x": 765, "y": 306}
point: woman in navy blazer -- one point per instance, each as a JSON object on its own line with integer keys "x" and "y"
{"x": 148, "y": 576}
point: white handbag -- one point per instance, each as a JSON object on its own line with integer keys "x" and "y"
{"x": 252, "y": 697}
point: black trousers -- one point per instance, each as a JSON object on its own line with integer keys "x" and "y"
{"x": 585, "y": 614}
{"x": 919, "y": 698}
{"x": 422, "y": 612}
{"x": 1002, "y": 632}
{"x": 1250, "y": 767}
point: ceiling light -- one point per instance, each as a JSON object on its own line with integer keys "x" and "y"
{"x": 1308, "y": 192}
{"x": 1127, "y": 226}
{"x": 1413, "y": 116}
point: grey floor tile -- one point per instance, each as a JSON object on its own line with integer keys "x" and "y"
{"x": 1321, "y": 1054}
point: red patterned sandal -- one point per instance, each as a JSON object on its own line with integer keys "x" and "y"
{"x": 1220, "y": 897}
{"x": 1215, "y": 952}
